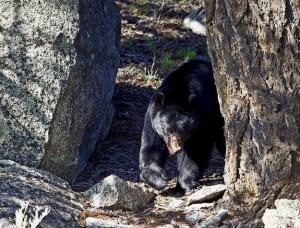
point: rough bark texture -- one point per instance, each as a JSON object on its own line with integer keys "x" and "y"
{"x": 39, "y": 188}
{"x": 58, "y": 61}
{"x": 255, "y": 50}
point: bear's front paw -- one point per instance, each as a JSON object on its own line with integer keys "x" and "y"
{"x": 188, "y": 184}
{"x": 153, "y": 178}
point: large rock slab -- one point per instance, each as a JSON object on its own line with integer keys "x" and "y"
{"x": 38, "y": 188}
{"x": 115, "y": 193}
{"x": 286, "y": 214}
{"x": 58, "y": 61}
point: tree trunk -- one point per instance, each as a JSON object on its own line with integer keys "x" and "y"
{"x": 255, "y": 51}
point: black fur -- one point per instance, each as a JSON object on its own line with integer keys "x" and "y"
{"x": 186, "y": 108}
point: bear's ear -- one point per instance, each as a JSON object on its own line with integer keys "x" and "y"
{"x": 159, "y": 99}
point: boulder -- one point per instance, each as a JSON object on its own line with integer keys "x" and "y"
{"x": 115, "y": 193}
{"x": 207, "y": 193}
{"x": 39, "y": 189}
{"x": 58, "y": 62}
{"x": 286, "y": 214}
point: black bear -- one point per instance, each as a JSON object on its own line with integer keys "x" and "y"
{"x": 183, "y": 118}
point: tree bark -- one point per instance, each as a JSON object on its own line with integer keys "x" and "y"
{"x": 255, "y": 51}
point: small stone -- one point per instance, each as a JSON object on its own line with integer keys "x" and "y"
{"x": 214, "y": 220}
{"x": 114, "y": 193}
{"x": 194, "y": 212}
{"x": 91, "y": 222}
{"x": 207, "y": 193}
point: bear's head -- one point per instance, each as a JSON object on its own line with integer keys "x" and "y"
{"x": 174, "y": 122}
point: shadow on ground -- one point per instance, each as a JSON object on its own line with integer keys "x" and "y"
{"x": 118, "y": 154}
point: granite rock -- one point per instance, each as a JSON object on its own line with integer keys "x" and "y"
{"x": 115, "y": 193}
{"x": 58, "y": 62}
{"x": 40, "y": 189}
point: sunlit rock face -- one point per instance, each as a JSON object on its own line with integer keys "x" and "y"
{"x": 58, "y": 61}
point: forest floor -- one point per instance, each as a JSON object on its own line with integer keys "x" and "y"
{"x": 153, "y": 43}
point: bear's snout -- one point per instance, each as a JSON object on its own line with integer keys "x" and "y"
{"x": 174, "y": 143}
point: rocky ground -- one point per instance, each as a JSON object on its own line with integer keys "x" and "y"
{"x": 154, "y": 42}
{"x": 40, "y": 44}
